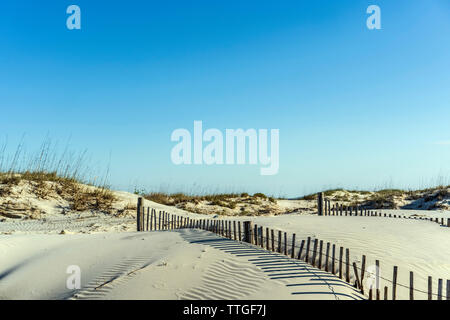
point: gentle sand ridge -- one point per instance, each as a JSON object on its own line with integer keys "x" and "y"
{"x": 182, "y": 264}
{"x": 106, "y": 247}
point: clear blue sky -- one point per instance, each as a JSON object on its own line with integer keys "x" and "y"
{"x": 356, "y": 108}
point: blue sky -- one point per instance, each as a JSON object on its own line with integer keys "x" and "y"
{"x": 356, "y": 108}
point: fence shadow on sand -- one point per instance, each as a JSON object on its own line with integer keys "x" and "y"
{"x": 295, "y": 274}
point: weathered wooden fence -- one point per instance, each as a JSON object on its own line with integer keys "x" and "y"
{"x": 323, "y": 255}
{"x": 327, "y": 208}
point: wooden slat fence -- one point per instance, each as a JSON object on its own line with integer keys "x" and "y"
{"x": 353, "y": 272}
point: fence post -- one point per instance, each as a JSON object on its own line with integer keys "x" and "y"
{"x": 293, "y": 246}
{"x": 138, "y": 214}
{"x": 261, "y": 237}
{"x": 394, "y": 283}
{"x": 411, "y": 285}
{"x": 430, "y": 288}
{"x": 308, "y": 243}
{"x": 299, "y": 257}
{"x": 285, "y": 244}
{"x": 347, "y": 265}
{"x": 448, "y": 222}
{"x": 267, "y": 238}
{"x": 320, "y": 203}
{"x": 273, "y": 239}
{"x": 239, "y": 229}
{"x": 279, "y": 241}
{"x": 333, "y": 260}
{"x": 440, "y": 289}
{"x": 320, "y": 254}
{"x": 326, "y": 256}
{"x": 341, "y": 253}
{"x": 377, "y": 283}
{"x": 247, "y": 232}
{"x": 314, "y": 252}
{"x": 363, "y": 271}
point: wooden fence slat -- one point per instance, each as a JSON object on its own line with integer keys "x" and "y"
{"x": 430, "y": 288}
{"x": 411, "y": 285}
{"x": 327, "y": 256}
{"x": 394, "y": 283}
{"x": 234, "y": 230}
{"x": 239, "y": 230}
{"x": 363, "y": 271}
{"x": 347, "y": 265}
{"x": 341, "y": 253}
{"x": 151, "y": 219}
{"x": 301, "y": 249}
{"x": 320, "y": 254}
{"x": 165, "y": 224}
{"x": 314, "y": 252}
{"x": 247, "y": 232}
{"x": 279, "y": 241}
{"x": 355, "y": 270}
{"x": 267, "y": 238}
{"x": 439, "y": 289}
{"x": 293, "y": 246}
{"x": 333, "y": 260}
{"x": 308, "y": 244}
{"x": 273, "y": 239}
{"x": 159, "y": 220}
{"x": 138, "y": 214}
{"x": 285, "y": 244}
{"x": 377, "y": 278}
{"x": 261, "y": 235}
{"x": 385, "y": 292}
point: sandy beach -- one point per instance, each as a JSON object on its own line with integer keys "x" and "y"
{"x": 116, "y": 262}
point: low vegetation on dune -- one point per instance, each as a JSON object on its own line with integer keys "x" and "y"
{"x": 427, "y": 199}
{"x": 31, "y": 183}
{"x": 21, "y": 192}
{"x": 235, "y": 204}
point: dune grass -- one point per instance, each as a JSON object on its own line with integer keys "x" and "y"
{"x": 49, "y": 173}
{"x": 227, "y": 200}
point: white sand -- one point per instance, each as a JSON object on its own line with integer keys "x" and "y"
{"x": 183, "y": 264}
{"x": 412, "y": 245}
{"x": 34, "y": 256}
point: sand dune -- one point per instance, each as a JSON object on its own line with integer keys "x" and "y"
{"x": 182, "y": 264}
{"x": 118, "y": 263}
{"x": 412, "y": 245}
